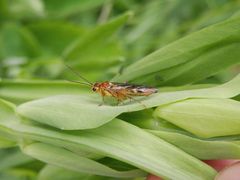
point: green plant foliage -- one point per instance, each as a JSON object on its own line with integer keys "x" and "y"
{"x": 51, "y": 128}
{"x": 219, "y": 148}
{"x": 115, "y": 134}
{"x": 50, "y": 171}
{"x": 48, "y": 33}
{"x": 53, "y": 7}
{"x": 83, "y": 112}
{"x": 14, "y": 164}
{"x": 179, "y": 62}
{"x": 69, "y": 160}
{"x": 17, "y": 41}
{"x": 213, "y": 117}
{"x": 24, "y": 90}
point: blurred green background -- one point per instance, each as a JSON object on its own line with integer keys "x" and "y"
{"x": 98, "y": 38}
{"x": 38, "y": 36}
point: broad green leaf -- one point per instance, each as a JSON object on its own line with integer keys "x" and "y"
{"x": 70, "y": 157}
{"x": 20, "y": 10}
{"x": 201, "y": 148}
{"x": 43, "y": 67}
{"x": 16, "y": 40}
{"x": 6, "y": 143}
{"x": 98, "y": 47}
{"x": 4, "y": 11}
{"x": 6, "y": 110}
{"x": 145, "y": 120}
{"x": 195, "y": 70}
{"x": 98, "y": 36}
{"x": 17, "y": 174}
{"x": 55, "y": 36}
{"x": 84, "y": 112}
{"x": 26, "y": 170}
{"x": 180, "y": 57}
{"x": 7, "y": 116}
{"x": 117, "y": 139}
{"x": 67, "y": 159}
{"x": 91, "y": 63}
{"x": 65, "y": 8}
{"x": 147, "y": 19}
{"x": 25, "y": 90}
{"x": 216, "y": 14}
{"x": 25, "y": 9}
{"x": 13, "y": 157}
{"x": 50, "y": 171}
{"x": 158, "y": 23}
{"x": 204, "y": 117}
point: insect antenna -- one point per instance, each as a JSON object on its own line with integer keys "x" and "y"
{"x": 79, "y": 75}
{"x": 78, "y": 82}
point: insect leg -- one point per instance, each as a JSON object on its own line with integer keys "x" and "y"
{"x": 103, "y": 101}
{"x": 131, "y": 98}
{"x": 118, "y": 101}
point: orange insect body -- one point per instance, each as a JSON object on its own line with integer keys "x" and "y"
{"x": 120, "y": 91}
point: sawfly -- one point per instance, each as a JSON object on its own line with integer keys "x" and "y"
{"x": 119, "y": 91}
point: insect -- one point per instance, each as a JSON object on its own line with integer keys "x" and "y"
{"x": 120, "y": 91}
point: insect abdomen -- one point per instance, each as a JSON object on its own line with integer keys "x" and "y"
{"x": 143, "y": 91}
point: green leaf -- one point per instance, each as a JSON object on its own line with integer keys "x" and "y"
{"x": 189, "y": 59}
{"x": 50, "y": 171}
{"x": 117, "y": 139}
{"x": 97, "y": 46}
{"x": 216, "y": 14}
{"x": 25, "y": 9}
{"x": 7, "y": 116}
{"x": 55, "y": 36}
{"x": 18, "y": 174}
{"x": 4, "y": 11}
{"x": 201, "y": 148}
{"x": 65, "y": 8}
{"x": 210, "y": 63}
{"x": 84, "y": 112}
{"x": 7, "y": 124}
{"x": 97, "y": 36}
{"x": 204, "y": 117}
{"x": 12, "y": 157}
{"x": 42, "y": 67}
{"x": 66, "y": 159}
{"x": 16, "y": 40}
{"x": 20, "y": 91}
{"x": 147, "y": 19}
{"x": 6, "y": 110}
{"x": 6, "y": 143}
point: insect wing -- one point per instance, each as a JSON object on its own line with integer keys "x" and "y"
{"x": 132, "y": 89}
